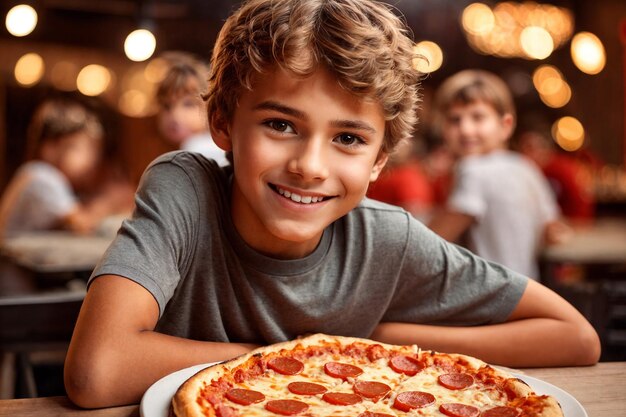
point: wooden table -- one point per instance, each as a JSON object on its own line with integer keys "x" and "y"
{"x": 601, "y": 389}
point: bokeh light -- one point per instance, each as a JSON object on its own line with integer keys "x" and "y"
{"x": 93, "y": 80}
{"x": 552, "y": 87}
{"x": 517, "y": 29}
{"x": 29, "y": 69}
{"x": 568, "y": 133}
{"x": 139, "y": 45}
{"x": 429, "y": 57}
{"x": 478, "y": 19}
{"x": 536, "y": 42}
{"x": 588, "y": 53}
{"x": 21, "y": 20}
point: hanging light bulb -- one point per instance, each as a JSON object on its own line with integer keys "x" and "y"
{"x": 21, "y": 20}
{"x": 139, "y": 45}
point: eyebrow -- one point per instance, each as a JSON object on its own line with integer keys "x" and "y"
{"x": 290, "y": 111}
{"x": 281, "y": 108}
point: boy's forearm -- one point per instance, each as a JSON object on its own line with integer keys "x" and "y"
{"x": 536, "y": 342}
{"x": 119, "y": 373}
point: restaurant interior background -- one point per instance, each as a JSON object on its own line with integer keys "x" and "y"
{"x": 565, "y": 61}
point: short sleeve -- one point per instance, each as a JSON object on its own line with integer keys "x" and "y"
{"x": 154, "y": 246}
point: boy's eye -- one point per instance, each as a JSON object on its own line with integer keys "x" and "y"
{"x": 347, "y": 139}
{"x": 280, "y": 126}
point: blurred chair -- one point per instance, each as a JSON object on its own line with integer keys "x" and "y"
{"x": 34, "y": 330}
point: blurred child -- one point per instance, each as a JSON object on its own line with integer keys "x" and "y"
{"x": 310, "y": 97}
{"x": 501, "y": 199}
{"x": 182, "y": 111}
{"x": 65, "y": 143}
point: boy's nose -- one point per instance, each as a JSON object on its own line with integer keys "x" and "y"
{"x": 466, "y": 126}
{"x": 310, "y": 161}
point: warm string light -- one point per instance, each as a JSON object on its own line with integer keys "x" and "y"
{"x": 526, "y": 30}
{"x": 428, "y": 57}
{"x": 139, "y": 45}
{"x": 21, "y": 20}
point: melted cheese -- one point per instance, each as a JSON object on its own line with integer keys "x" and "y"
{"x": 274, "y": 386}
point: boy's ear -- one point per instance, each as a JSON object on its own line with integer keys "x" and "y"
{"x": 381, "y": 161}
{"x": 508, "y": 122}
{"x": 218, "y": 126}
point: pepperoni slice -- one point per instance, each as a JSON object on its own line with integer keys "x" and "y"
{"x": 456, "y": 381}
{"x": 285, "y": 365}
{"x": 306, "y": 388}
{"x": 371, "y": 389}
{"x": 459, "y": 410}
{"x": 371, "y": 414}
{"x": 406, "y": 401}
{"x": 342, "y": 370}
{"x": 244, "y": 396}
{"x": 341, "y": 398}
{"x": 286, "y": 407}
{"x": 406, "y": 365}
{"x": 225, "y": 411}
{"x": 502, "y": 411}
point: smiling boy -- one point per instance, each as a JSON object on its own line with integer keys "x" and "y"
{"x": 217, "y": 260}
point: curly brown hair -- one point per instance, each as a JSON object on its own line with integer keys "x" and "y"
{"x": 362, "y": 43}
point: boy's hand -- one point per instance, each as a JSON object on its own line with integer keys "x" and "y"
{"x": 557, "y": 232}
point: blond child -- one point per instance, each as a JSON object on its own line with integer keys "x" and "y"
{"x": 65, "y": 143}
{"x": 182, "y": 114}
{"x": 499, "y": 198}
{"x": 217, "y": 261}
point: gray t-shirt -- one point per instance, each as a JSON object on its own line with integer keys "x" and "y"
{"x": 375, "y": 264}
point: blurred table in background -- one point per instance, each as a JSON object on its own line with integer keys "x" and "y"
{"x": 589, "y": 270}
{"x": 602, "y": 242}
{"x": 56, "y": 251}
{"x": 40, "y": 260}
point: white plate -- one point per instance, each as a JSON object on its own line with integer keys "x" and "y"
{"x": 156, "y": 400}
{"x": 570, "y": 405}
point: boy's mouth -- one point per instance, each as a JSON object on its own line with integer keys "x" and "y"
{"x": 298, "y": 198}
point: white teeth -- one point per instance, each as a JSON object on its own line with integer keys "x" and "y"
{"x": 298, "y": 198}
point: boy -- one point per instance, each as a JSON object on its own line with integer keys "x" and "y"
{"x": 65, "y": 141}
{"x": 217, "y": 261}
{"x": 501, "y": 199}
{"x": 181, "y": 118}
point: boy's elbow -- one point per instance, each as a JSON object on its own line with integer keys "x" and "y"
{"x": 84, "y": 385}
{"x": 594, "y": 348}
{"x": 589, "y": 347}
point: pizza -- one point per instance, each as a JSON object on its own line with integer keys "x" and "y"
{"x": 322, "y": 375}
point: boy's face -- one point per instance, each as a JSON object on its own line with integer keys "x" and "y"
{"x": 305, "y": 151}
{"x": 475, "y": 128}
{"x": 181, "y": 117}
{"x": 76, "y": 155}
